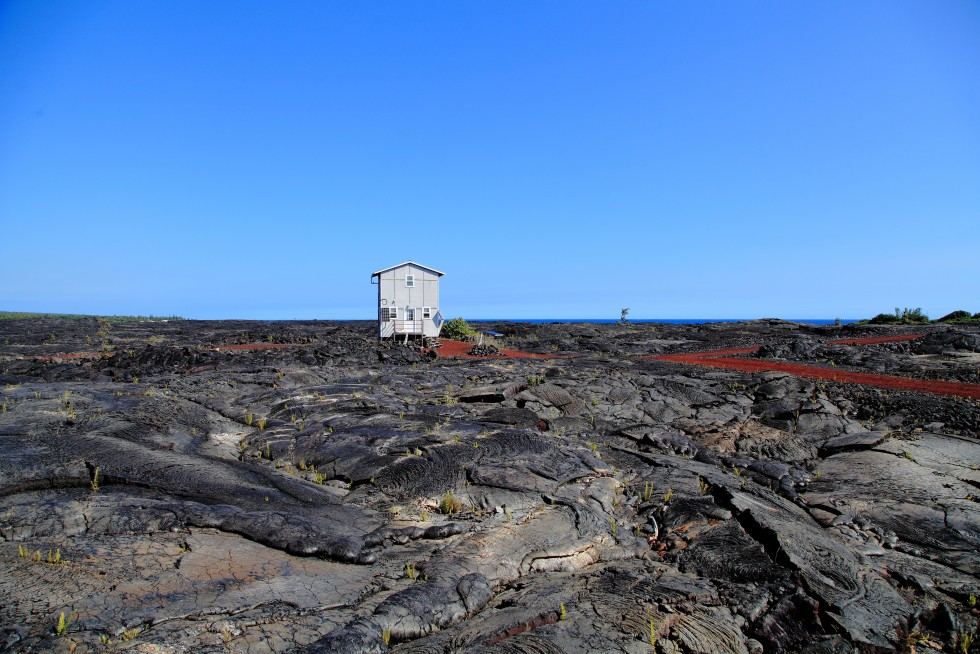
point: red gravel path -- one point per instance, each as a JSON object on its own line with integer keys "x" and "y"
{"x": 459, "y": 349}
{"x": 718, "y": 359}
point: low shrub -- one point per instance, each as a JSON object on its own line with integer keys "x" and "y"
{"x": 457, "y": 329}
{"x": 884, "y": 319}
{"x": 960, "y": 316}
{"x": 903, "y": 317}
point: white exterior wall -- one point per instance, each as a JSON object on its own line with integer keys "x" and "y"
{"x": 393, "y": 293}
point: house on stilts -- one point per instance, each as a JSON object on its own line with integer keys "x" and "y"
{"x": 408, "y": 301}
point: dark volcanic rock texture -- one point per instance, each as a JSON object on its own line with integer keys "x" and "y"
{"x": 277, "y": 487}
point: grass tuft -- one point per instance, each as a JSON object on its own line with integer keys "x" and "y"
{"x": 63, "y": 623}
{"x": 450, "y": 504}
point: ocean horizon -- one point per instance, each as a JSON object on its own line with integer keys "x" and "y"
{"x": 669, "y": 321}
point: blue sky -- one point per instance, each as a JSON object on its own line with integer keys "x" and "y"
{"x": 555, "y": 158}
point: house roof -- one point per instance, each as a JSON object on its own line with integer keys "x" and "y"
{"x": 407, "y": 263}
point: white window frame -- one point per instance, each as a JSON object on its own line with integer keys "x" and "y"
{"x": 394, "y": 312}
{"x": 410, "y": 311}
{"x": 409, "y": 281}
{"x": 426, "y": 313}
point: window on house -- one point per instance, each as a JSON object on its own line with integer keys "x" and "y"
{"x": 386, "y": 315}
{"x": 409, "y": 281}
{"x": 394, "y": 313}
{"x": 426, "y": 312}
{"x": 410, "y": 314}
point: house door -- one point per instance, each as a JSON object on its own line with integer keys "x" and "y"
{"x": 410, "y": 314}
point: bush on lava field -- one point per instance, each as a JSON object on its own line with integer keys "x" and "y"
{"x": 905, "y": 317}
{"x": 960, "y": 316}
{"x": 457, "y": 329}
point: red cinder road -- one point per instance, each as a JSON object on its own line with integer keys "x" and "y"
{"x": 719, "y": 359}
{"x": 460, "y": 349}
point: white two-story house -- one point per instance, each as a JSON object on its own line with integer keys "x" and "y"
{"x": 408, "y": 301}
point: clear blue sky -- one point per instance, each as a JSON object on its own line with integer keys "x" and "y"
{"x": 554, "y": 158}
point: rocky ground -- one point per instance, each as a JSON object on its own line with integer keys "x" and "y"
{"x": 166, "y": 493}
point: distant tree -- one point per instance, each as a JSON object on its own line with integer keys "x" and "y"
{"x": 623, "y": 315}
{"x": 914, "y": 316}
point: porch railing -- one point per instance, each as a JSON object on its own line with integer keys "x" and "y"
{"x": 407, "y": 326}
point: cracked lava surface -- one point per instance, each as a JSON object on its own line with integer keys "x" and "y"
{"x": 293, "y": 487}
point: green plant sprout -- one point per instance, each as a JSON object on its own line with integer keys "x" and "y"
{"x": 450, "y": 504}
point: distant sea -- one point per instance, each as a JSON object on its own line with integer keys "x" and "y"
{"x": 669, "y": 321}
